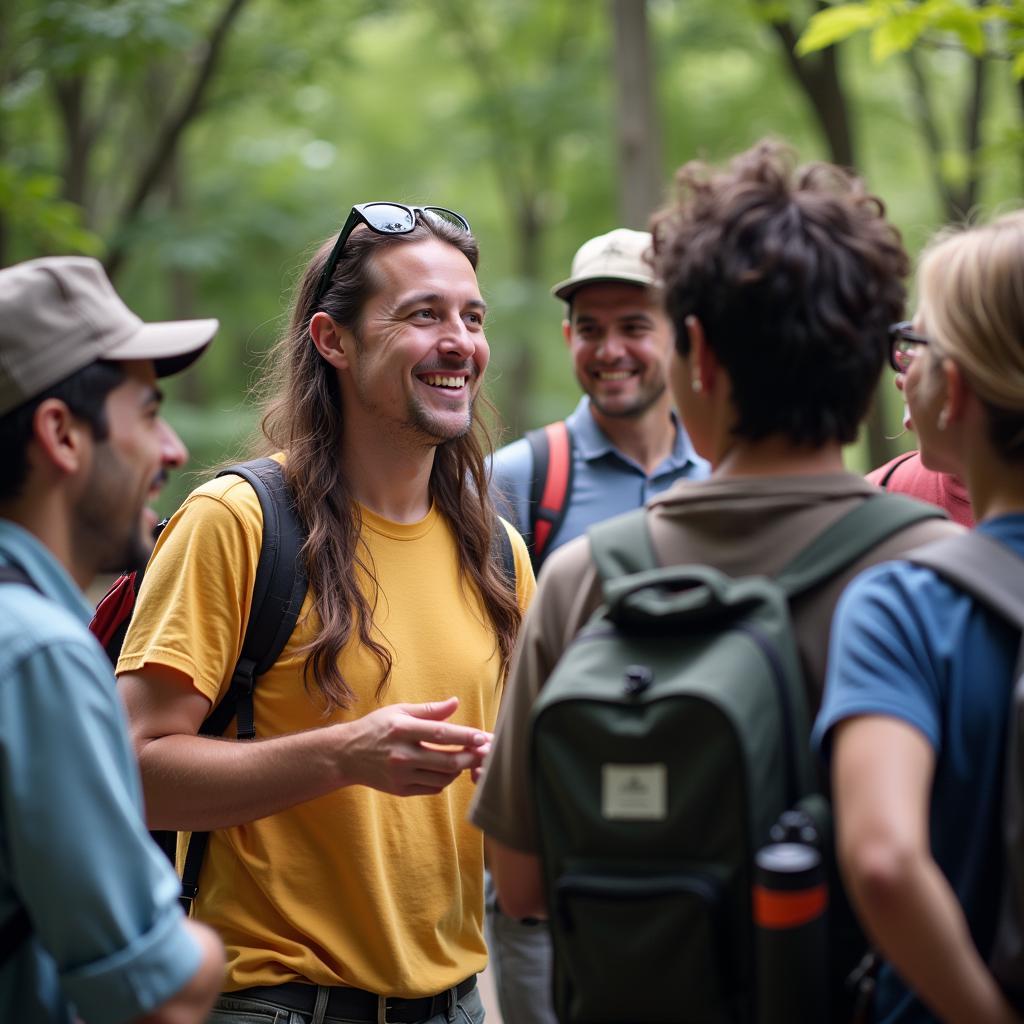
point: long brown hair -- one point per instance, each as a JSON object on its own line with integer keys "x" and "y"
{"x": 303, "y": 416}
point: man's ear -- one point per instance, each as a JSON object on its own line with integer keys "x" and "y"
{"x": 567, "y": 331}
{"x": 332, "y": 341}
{"x": 63, "y": 441}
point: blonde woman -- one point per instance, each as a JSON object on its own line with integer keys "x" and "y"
{"x": 914, "y": 717}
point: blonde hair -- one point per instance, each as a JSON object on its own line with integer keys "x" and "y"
{"x": 972, "y": 291}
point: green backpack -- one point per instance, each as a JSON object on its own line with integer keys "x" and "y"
{"x": 667, "y": 741}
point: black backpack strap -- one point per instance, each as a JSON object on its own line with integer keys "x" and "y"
{"x": 550, "y": 486}
{"x": 14, "y": 931}
{"x": 278, "y": 592}
{"x": 894, "y": 465}
{"x": 622, "y": 545}
{"x": 15, "y": 574}
{"x": 851, "y": 537}
{"x": 17, "y": 928}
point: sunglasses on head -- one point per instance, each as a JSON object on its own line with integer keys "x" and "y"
{"x": 385, "y": 219}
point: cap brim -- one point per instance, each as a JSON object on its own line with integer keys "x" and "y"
{"x": 566, "y": 288}
{"x": 172, "y": 345}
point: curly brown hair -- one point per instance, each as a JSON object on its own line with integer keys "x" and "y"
{"x": 795, "y": 276}
{"x": 304, "y": 417}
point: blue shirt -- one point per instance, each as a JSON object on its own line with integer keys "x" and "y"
{"x": 108, "y": 942}
{"x": 909, "y": 645}
{"x": 605, "y": 482}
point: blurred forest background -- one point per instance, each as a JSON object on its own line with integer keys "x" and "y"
{"x": 202, "y": 148}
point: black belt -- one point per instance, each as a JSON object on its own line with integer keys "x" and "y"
{"x": 357, "y": 1004}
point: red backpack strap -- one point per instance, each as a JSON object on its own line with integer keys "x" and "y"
{"x": 110, "y": 620}
{"x": 550, "y": 486}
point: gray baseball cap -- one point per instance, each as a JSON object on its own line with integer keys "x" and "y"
{"x": 61, "y": 313}
{"x": 620, "y": 255}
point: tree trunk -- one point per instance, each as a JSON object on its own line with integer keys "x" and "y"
{"x": 818, "y": 77}
{"x": 70, "y": 97}
{"x": 168, "y": 137}
{"x": 637, "y": 126}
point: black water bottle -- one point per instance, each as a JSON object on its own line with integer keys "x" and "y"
{"x": 790, "y": 908}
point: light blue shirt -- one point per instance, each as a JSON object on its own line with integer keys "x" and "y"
{"x": 605, "y": 482}
{"x": 108, "y": 941}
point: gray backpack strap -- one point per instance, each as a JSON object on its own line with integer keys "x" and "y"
{"x": 993, "y": 574}
{"x": 851, "y": 537}
{"x": 982, "y": 566}
{"x": 622, "y": 545}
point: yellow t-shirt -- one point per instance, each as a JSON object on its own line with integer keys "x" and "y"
{"x": 357, "y": 887}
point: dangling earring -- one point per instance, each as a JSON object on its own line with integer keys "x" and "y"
{"x": 695, "y": 386}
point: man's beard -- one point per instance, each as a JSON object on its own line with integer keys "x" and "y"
{"x": 637, "y": 408}
{"x": 116, "y": 543}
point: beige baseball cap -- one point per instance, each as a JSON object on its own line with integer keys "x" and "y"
{"x": 619, "y": 255}
{"x": 61, "y": 313}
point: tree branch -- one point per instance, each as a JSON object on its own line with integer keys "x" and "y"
{"x": 170, "y": 134}
{"x": 929, "y": 127}
{"x": 818, "y": 78}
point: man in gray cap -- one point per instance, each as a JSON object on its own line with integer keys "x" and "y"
{"x": 90, "y": 925}
{"x": 621, "y": 445}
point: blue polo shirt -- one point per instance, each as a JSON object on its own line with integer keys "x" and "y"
{"x": 107, "y": 942}
{"x": 605, "y": 482}
{"x": 909, "y": 645}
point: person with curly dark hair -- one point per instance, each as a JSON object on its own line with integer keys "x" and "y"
{"x": 781, "y": 283}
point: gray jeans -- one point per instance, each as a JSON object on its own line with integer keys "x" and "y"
{"x": 520, "y": 960}
{"x": 229, "y": 1010}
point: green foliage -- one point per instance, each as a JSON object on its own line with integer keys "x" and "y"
{"x": 896, "y": 26}
{"x": 503, "y": 109}
{"x": 30, "y": 204}
{"x": 838, "y": 23}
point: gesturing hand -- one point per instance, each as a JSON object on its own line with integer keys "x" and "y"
{"x": 410, "y": 749}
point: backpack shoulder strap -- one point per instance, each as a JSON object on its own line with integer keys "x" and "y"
{"x": 851, "y": 537}
{"x": 550, "y": 485}
{"x": 15, "y": 574}
{"x": 278, "y": 592}
{"x": 983, "y": 567}
{"x": 622, "y": 545}
{"x": 18, "y": 926}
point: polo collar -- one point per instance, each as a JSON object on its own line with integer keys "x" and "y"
{"x": 592, "y": 442}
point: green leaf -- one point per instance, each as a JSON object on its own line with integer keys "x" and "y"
{"x": 896, "y": 35}
{"x": 837, "y": 23}
{"x": 966, "y": 25}
{"x": 1018, "y": 65}
{"x": 954, "y": 167}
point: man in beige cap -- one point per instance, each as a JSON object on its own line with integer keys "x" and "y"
{"x": 89, "y": 920}
{"x": 622, "y": 445}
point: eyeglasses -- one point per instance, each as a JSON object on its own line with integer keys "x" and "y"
{"x": 903, "y": 345}
{"x": 385, "y": 219}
